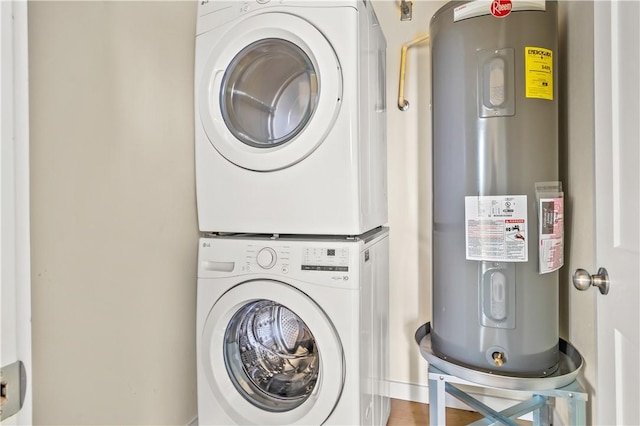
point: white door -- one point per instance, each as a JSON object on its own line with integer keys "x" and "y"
{"x": 267, "y": 95}
{"x": 271, "y": 336}
{"x": 15, "y": 300}
{"x": 617, "y": 134}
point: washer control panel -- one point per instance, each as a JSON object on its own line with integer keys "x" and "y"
{"x": 263, "y": 257}
{"x": 280, "y": 259}
{"x": 325, "y": 259}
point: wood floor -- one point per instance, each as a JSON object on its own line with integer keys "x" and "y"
{"x": 405, "y": 413}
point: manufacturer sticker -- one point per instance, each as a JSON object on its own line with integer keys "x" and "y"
{"x": 538, "y": 65}
{"x": 496, "y": 228}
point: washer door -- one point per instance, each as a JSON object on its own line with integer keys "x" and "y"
{"x": 270, "y": 92}
{"x": 271, "y": 355}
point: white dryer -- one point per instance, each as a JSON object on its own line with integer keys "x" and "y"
{"x": 290, "y": 132}
{"x": 292, "y": 330}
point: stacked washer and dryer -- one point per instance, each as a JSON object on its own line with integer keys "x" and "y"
{"x": 293, "y": 269}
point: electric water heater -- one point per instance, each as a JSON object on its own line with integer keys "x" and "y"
{"x": 497, "y": 202}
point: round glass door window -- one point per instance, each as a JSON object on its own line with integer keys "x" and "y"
{"x": 269, "y": 93}
{"x": 271, "y": 356}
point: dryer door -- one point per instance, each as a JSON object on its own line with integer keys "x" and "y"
{"x": 270, "y": 90}
{"x": 271, "y": 355}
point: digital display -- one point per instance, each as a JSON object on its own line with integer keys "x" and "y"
{"x": 325, "y": 259}
{"x": 325, "y": 268}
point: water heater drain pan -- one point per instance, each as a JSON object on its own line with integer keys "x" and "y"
{"x": 569, "y": 366}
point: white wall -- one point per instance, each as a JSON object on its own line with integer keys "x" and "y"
{"x": 113, "y": 205}
{"x": 409, "y": 168}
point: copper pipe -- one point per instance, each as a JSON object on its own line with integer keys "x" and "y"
{"x": 403, "y": 104}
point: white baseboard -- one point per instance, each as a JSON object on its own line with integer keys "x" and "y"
{"x": 408, "y": 391}
{"x": 420, "y": 393}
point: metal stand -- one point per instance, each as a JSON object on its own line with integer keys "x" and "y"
{"x": 441, "y": 383}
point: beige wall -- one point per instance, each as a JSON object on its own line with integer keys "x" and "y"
{"x": 578, "y": 309}
{"x": 113, "y": 205}
{"x": 114, "y": 231}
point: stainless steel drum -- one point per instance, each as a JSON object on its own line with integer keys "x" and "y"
{"x": 271, "y": 356}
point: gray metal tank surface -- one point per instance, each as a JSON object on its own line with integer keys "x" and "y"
{"x": 495, "y": 135}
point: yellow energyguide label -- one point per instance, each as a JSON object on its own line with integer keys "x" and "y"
{"x": 538, "y": 65}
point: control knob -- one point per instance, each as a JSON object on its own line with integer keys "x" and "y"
{"x": 266, "y": 258}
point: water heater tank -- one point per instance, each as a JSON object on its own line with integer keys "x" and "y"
{"x": 495, "y": 139}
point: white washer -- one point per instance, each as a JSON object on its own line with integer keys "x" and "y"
{"x": 293, "y": 330}
{"x": 290, "y": 120}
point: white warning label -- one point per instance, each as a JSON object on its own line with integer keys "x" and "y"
{"x": 496, "y": 228}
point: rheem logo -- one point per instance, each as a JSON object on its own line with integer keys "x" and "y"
{"x": 501, "y": 8}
